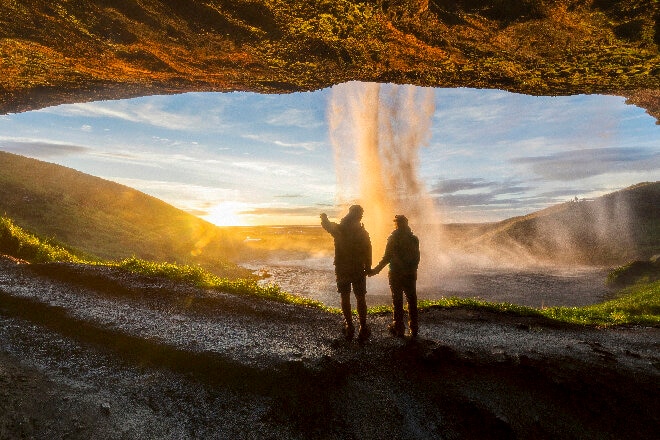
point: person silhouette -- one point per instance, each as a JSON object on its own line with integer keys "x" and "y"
{"x": 402, "y": 254}
{"x": 352, "y": 262}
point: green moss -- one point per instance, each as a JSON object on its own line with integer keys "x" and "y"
{"x": 18, "y": 243}
{"x": 198, "y": 276}
{"x": 634, "y": 272}
{"x": 635, "y": 305}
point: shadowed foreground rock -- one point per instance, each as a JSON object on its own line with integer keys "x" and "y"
{"x": 66, "y": 51}
{"x": 93, "y": 352}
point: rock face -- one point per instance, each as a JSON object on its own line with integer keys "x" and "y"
{"x": 63, "y": 51}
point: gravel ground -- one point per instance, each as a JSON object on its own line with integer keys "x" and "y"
{"x": 95, "y": 352}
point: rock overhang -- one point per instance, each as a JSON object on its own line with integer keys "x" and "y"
{"x": 66, "y": 51}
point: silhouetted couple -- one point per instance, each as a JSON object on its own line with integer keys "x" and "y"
{"x": 353, "y": 265}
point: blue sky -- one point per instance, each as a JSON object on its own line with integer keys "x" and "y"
{"x": 245, "y": 158}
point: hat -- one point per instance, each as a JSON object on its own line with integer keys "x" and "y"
{"x": 401, "y": 220}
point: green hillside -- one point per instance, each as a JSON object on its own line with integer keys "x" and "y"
{"x": 99, "y": 218}
{"x": 107, "y": 220}
{"x": 609, "y": 230}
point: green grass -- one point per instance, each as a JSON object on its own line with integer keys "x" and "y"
{"x": 638, "y": 305}
{"x": 18, "y": 243}
{"x": 467, "y": 303}
{"x": 634, "y": 272}
{"x": 107, "y": 220}
{"x": 635, "y": 305}
{"x": 198, "y": 276}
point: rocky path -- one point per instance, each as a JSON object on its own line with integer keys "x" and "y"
{"x": 95, "y": 352}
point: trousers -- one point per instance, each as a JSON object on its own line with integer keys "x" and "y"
{"x": 359, "y": 285}
{"x": 404, "y": 284}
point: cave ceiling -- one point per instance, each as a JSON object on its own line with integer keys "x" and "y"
{"x": 64, "y": 51}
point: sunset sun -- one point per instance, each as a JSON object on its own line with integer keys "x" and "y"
{"x": 226, "y": 214}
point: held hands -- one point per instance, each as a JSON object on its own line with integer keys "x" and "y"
{"x": 376, "y": 270}
{"x": 324, "y": 216}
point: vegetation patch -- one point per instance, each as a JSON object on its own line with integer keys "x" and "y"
{"x": 72, "y": 51}
{"x": 198, "y": 276}
{"x": 18, "y": 243}
{"x": 635, "y": 305}
{"x": 635, "y": 272}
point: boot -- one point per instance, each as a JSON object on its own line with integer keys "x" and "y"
{"x": 413, "y": 322}
{"x": 396, "y": 329}
{"x": 364, "y": 333}
{"x": 349, "y": 331}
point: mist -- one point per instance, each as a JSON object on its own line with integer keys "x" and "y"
{"x": 377, "y": 132}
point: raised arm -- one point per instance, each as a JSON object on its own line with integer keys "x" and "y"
{"x": 329, "y": 226}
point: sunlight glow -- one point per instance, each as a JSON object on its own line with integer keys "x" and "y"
{"x": 226, "y": 214}
{"x": 491, "y": 155}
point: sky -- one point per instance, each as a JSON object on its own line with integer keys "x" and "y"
{"x": 249, "y": 159}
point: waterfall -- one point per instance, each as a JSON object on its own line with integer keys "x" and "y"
{"x": 376, "y": 133}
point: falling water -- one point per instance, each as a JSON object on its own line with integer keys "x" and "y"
{"x": 377, "y": 132}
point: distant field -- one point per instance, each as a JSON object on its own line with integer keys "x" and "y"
{"x": 261, "y": 240}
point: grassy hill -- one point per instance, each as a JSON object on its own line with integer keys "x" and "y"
{"x": 107, "y": 220}
{"x": 99, "y": 218}
{"x": 612, "y": 229}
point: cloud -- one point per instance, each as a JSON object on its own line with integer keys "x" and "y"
{"x": 274, "y": 211}
{"x": 473, "y": 200}
{"x": 274, "y": 139}
{"x": 309, "y": 146}
{"x": 570, "y": 192}
{"x": 449, "y": 186}
{"x": 289, "y": 196}
{"x": 148, "y": 111}
{"x": 194, "y": 198}
{"x": 476, "y": 192}
{"x": 580, "y": 164}
{"x": 294, "y": 118}
{"x": 42, "y": 149}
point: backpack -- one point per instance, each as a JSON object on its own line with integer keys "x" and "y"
{"x": 407, "y": 251}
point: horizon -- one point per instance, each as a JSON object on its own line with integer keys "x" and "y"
{"x": 244, "y": 159}
{"x": 312, "y": 225}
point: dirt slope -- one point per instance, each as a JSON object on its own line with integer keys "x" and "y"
{"x": 94, "y": 352}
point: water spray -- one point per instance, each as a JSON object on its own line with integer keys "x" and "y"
{"x": 377, "y": 132}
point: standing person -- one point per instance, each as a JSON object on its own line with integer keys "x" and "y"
{"x": 402, "y": 254}
{"x": 352, "y": 262}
